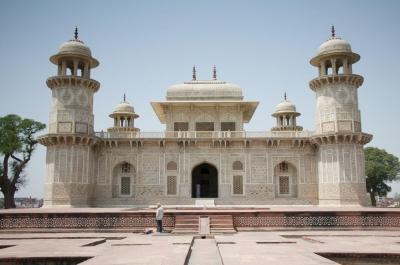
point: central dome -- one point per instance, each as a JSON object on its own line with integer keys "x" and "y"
{"x": 204, "y": 90}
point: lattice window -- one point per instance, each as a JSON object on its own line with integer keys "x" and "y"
{"x": 284, "y": 185}
{"x": 283, "y": 167}
{"x": 126, "y": 168}
{"x": 237, "y": 165}
{"x": 181, "y": 126}
{"x": 125, "y": 185}
{"x": 238, "y": 185}
{"x": 172, "y": 166}
{"x": 204, "y": 126}
{"x": 228, "y": 126}
{"x": 171, "y": 185}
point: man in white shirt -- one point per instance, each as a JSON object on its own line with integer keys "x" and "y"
{"x": 159, "y": 217}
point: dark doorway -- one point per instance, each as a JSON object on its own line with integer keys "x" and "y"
{"x": 204, "y": 181}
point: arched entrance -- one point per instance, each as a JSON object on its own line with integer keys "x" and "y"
{"x": 204, "y": 181}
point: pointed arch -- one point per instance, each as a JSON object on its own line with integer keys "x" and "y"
{"x": 285, "y": 179}
{"x": 124, "y": 178}
{"x": 204, "y": 181}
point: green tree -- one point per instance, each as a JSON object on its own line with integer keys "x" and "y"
{"x": 17, "y": 143}
{"x": 381, "y": 167}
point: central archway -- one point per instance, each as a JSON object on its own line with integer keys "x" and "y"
{"x": 204, "y": 181}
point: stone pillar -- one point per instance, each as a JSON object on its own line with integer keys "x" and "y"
{"x": 345, "y": 67}
{"x": 322, "y": 69}
{"x": 75, "y": 69}
{"x": 63, "y": 68}
{"x": 334, "y": 70}
{"x": 86, "y": 71}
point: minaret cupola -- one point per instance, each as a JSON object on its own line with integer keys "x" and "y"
{"x": 335, "y": 57}
{"x": 286, "y": 115}
{"x": 74, "y": 58}
{"x": 124, "y": 116}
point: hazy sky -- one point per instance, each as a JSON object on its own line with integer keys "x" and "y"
{"x": 145, "y": 46}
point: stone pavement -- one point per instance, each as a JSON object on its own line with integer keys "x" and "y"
{"x": 268, "y": 247}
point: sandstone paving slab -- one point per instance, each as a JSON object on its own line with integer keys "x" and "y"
{"x": 166, "y": 254}
{"x": 253, "y": 238}
{"x": 48, "y": 248}
{"x": 205, "y": 252}
{"x": 110, "y": 236}
{"x": 268, "y": 254}
{"x": 377, "y": 244}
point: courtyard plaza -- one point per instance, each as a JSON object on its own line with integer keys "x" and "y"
{"x": 261, "y": 247}
{"x": 289, "y": 244}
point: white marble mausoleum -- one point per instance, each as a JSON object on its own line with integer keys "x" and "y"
{"x": 204, "y": 151}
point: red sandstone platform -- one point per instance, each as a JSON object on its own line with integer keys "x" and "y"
{"x": 243, "y": 218}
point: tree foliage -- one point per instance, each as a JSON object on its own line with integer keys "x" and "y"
{"x": 381, "y": 167}
{"x": 17, "y": 143}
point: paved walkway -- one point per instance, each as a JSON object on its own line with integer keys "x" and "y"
{"x": 205, "y": 252}
{"x": 274, "y": 247}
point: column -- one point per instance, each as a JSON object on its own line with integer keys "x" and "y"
{"x": 63, "y": 68}
{"x": 345, "y": 67}
{"x": 334, "y": 70}
{"x": 322, "y": 69}
{"x": 75, "y": 70}
{"x": 86, "y": 73}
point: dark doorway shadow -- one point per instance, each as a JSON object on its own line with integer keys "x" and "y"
{"x": 204, "y": 181}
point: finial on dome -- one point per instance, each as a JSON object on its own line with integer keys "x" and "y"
{"x": 194, "y": 73}
{"x": 284, "y": 96}
{"x": 124, "y": 97}
{"x": 333, "y": 32}
{"x": 76, "y": 33}
{"x": 214, "y": 73}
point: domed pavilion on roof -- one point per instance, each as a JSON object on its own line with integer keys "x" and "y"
{"x": 204, "y": 153}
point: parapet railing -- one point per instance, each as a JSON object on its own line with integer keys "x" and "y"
{"x": 205, "y": 134}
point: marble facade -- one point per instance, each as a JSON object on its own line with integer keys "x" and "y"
{"x": 204, "y": 151}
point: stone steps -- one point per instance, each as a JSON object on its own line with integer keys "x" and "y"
{"x": 189, "y": 224}
{"x": 221, "y": 224}
{"x": 186, "y": 224}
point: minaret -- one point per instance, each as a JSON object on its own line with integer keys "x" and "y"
{"x": 71, "y": 137}
{"x": 338, "y": 133}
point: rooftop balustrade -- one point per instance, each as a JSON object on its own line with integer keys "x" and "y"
{"x": 204, "y": 134}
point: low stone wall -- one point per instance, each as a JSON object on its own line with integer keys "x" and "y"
{"x": 84, "y": 221}
{"x": 136, "y": 220}
{"x": 357, "y": 219}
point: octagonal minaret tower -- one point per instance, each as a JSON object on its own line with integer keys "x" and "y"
{"x": 338, "y": 132}
{"x": 71, "y": 137}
